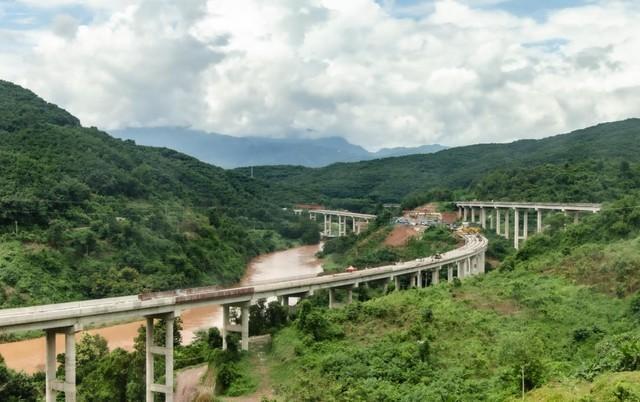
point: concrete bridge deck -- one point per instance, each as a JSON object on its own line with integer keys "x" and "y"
{"x": 532, "y": 205}
{"x": 518, "y": 210}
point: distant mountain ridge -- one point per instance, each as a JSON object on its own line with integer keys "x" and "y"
{"x": 231, "y": 152}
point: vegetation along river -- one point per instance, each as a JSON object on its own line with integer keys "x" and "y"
{"x": 29, "y": 355}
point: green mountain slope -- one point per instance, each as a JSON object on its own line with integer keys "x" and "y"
{"x": 597, "y": 151}
{"x": 561, "y": 318}
{"x": 84, "y": 215}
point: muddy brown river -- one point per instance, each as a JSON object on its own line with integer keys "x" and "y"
{"x": 300, "y": 261}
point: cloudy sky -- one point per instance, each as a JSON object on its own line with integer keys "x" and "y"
{"x": 378, "y": 72}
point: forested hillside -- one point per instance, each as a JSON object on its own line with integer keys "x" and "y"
{"x": 84, "y": 215}
{"x": 594, "y": 164}
{"x": 559, "y": 318}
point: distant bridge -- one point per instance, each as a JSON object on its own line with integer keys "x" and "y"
{"x": 357, "y": 220}
{"x": 468, "y": 209}
{"x": 68, "y": 318}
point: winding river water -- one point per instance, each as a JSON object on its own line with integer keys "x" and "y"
{"x": 29, "y": 355}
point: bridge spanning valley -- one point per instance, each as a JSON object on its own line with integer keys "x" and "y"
{"x": 69, "y": 318}
{"x": 358, "y": 221}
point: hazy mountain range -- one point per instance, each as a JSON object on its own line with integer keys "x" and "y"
{"x": 231, "y": 152}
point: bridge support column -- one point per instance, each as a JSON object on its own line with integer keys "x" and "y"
{"x": 166, "y": 351}
{"x": 576, "y": 217}
{"x": 525, "y": 230}
{"x": 419, "y": 279}
{"x": 332, "y": 297}
{"x": 538, "y": 221}
{"x": 353, "y": 223}
{"x": 349, "y": 295}
{"x": 498, "y": 221}
{"x": 385, "y": 288}
{"x": 460, "y": 269}
{"x": 483, "y": 217}
{"x": 482, "y": 263}
{"x": 52, "y": 385}
{"x": 507, "y": 229}
{"x": 464, "y": 218}
{"x": 516, "y": 228}
{"x": 459, "y": 212}
{"x": 396, "y": 282}
{"x": 243, "y": 328}
{"x": 473, "y": 215}
{"x": 450, "y": 273}
{"x": 435, "y": 276}
{"x": 284, "y": 301}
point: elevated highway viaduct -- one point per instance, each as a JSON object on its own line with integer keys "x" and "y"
{"x": 499, "y": 213}
{"x": 357, "y": 220}
{"x": 68, "y": 318}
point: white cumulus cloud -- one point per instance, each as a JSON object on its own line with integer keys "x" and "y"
{"x": 456, "y": 72}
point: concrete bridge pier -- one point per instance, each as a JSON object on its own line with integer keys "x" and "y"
{"x": 242, "y": 328}
{"x": 166, "y": 351}
{"x": 498, "y": 221}
{"x": 483, "y": 218}
{"x": 435, "y": 276}
{"x": 538, "y": 220}
{"x": 516, "y": 228}
{"x": 52, "y": 384}
{"x": 332, "y": 297}
{"x": 450, "y": 273}
{"x": 507, "y": 229}
{"x": 327, "y": 225}
{"x": 396, "y": 283}
{"x": 419, "y": 282}
{"x": 464, "y": 218}
{"x": 460, "y": 269}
